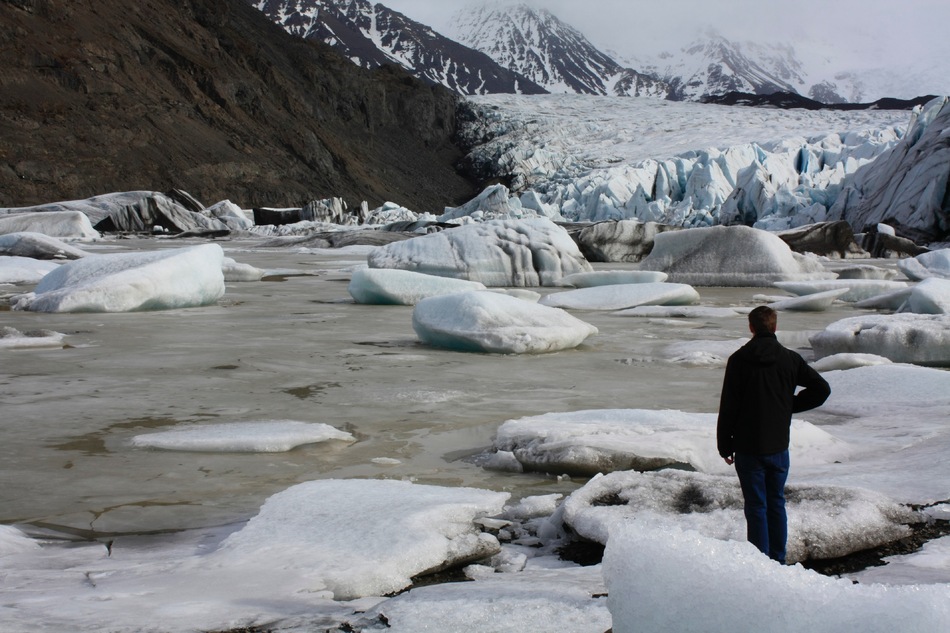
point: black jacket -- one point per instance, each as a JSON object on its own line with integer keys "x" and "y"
{"x": 758, "y": 397}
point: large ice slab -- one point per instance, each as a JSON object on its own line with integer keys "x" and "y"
{"x": 124, "y": 282}
{"x": 906, "y": 187}
{"x": 272, "y": 436}
{"x": 24, "y": 270}
{"x": 525, "y": 253}
{"x": 391, "y": 286}
{"x": 904, "y": 338}
{"x": 606, "y": 440}
{"x": 731, "y": 583}
{"x": 561, "y": 600}
{"x": 729, "y": 256}
{"x": 496, "y": 323}
{"x": 930, "y": 264}
{"x": 65, "y": 224}
{"x": 363, "y": 537}
{"x": 38, "y": 246}
{"x": 858, "y": 289}
{"x": 620, "y": 296}
{"x": 712, "y": 505}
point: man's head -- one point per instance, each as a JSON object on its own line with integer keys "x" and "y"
{"x": 763, "y": 320}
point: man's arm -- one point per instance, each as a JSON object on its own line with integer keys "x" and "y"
{"x": 815, "y": 389}
{"x": 728, "y": 411}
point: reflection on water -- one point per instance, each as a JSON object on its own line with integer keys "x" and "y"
{"x": 302, "y": 350}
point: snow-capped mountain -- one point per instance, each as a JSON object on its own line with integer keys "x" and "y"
{"x": 713, "y": 65}
{"x": 536, "y": 44}
{"x": 372, "y": 35}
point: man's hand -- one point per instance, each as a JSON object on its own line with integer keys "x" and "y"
{"x": 729, "y": 460}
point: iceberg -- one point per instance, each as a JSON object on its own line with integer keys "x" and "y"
{"x": 38, "y": 246}
{"x": 620, "y": 296}
{"x": 904, "y": 338}
{"x": 526, "y": 253}
{"x": 729, "y": 256}
{"x": 124, "y": 282}
{"x": 815, "y": 302}
{"x": 24, "y": 270}
{"x": 391, "y": 286}
{"x": 930, "y": 264}
{"x": 63, "y": 224}
{"x": 496, "y": 323}
{"x": 858, "y": 289}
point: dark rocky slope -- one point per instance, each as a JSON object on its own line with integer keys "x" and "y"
{"x": 211, "y": 97}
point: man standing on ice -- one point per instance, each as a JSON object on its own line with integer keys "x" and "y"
{"x": 755, "y": 415}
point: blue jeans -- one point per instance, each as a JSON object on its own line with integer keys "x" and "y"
{"x": 762, "y": 478}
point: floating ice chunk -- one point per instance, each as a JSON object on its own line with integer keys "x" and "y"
{"x": 930, "y": 296}
{"x": 680, "y": 312}
{"x": 12, "y": 338}
{"x": 242, "y": 437}
{"x": 124, "y": 282}
{"x": 729, "y": 256}
{"x": 848, "y": 361}
{"x": 496, "y": 323}
{"x": 526, "y": 253}
{"x": 362, "y": 537}
{"x": 932, "y": 264}
{"x": 657, "y": 566}
{"x": 610, "y": 277}
{"x": 13, "y": 541}
{"x": 541, "y": 601}
{"x": 533, "y": 507}
{"x": 815, "y": 302}
{"x": 865, "y": 271}
{"x": 605, "y": 440}
{"x": 235, "y": 271}
{"x": 904, "y": 338}
{"x": 892, "y": 300}
{"x": 858, "y": 288}
{"x": 712, "y": 505}
{"x": 38, "y": 246}
{"x": 702, "y": 353}
{"x": 67, "y": 224}
{"x": 24, "y": 270}
{"x": 231, "y": 214}
{"x": 617, "y": 297}
{"x": 390, "y": 286}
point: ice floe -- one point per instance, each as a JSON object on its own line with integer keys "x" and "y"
{"x": 24, "y": 270}
{"x": 858, "y": 289}
{"x": 272, "y": 436}
{"x": 931, "y": 264}
{"x": 403, "y": 287}
{"x": 610, "y": 277}
{"x": 620, "y": 296}
{"x": 904, "y": 338}
{"x": 496, "y": 323}
{"x": 38, "y": 246}
{"x": 62, "y": 224}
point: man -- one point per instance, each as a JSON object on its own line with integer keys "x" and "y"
{"x": 755, "y": 414}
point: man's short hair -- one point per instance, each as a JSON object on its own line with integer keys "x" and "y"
{"x": 763, "y": 320}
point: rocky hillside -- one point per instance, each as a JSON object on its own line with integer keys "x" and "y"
{"x": 211, "y": 97}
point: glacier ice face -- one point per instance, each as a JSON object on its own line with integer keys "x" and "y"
{"x": 907, "y": 187}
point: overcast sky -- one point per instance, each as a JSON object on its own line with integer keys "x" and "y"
{"x": 858, "y": 32}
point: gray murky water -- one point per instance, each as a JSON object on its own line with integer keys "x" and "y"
{"x": 296, "y": 347}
